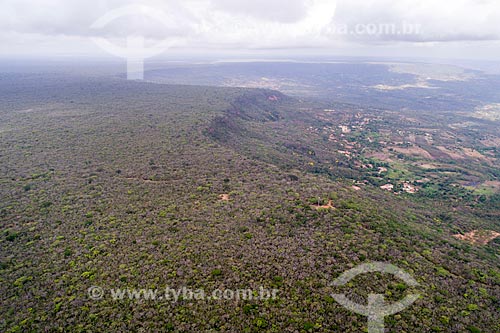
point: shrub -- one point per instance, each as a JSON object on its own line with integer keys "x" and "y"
{"x": 216, "y": 272}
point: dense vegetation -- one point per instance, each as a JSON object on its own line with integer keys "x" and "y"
{"x": 117, "y": 184}
{"x": 387, "y": 85}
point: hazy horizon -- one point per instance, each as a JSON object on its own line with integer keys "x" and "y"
{"x": 465, "y": 29}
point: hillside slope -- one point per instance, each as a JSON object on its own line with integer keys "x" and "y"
{"x": 135, "y": 185}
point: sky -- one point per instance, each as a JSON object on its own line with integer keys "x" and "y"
{"x": 467, "y": 29}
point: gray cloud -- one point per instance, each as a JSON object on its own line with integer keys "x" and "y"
{"x": 439, "y": 21}
{"x": 286, "y": 11}
{"x": 266, "y": 24}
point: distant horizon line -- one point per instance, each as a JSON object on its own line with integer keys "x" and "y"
{"x": 221, "y": 58}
